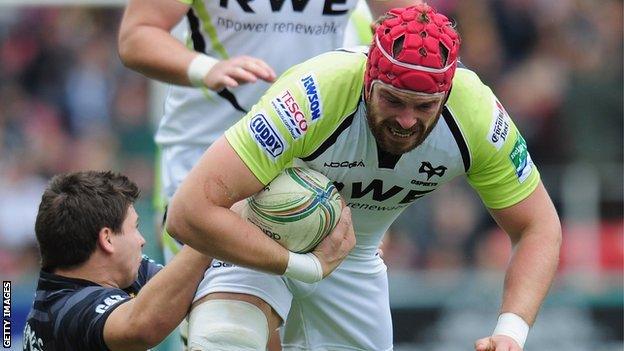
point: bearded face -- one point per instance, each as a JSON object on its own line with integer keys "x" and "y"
{"x": 401, "y": 120}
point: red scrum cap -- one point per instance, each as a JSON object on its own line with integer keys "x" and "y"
{"x": 414, "y": 48}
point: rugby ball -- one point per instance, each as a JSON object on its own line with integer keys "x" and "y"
{"x": 297, "y": 209}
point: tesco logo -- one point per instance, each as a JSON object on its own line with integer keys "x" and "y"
{"x": 295, "y": 110}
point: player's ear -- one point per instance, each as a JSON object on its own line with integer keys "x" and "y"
{"x": 105, "y": 241}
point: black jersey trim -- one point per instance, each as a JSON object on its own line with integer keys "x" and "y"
{"x": 229, "y": 96}
{"x": 164, "y": 222}
{"x": 359, "y": 49}
{"x": 386, "y": 159}
{"x": 332, "y": 138}
{"x": 199, "y": 45}
{"x": 459, "y": 137}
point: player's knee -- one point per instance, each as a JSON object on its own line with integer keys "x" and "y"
{"x": 226, "y": 325}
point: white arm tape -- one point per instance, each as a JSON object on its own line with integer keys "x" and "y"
{"x": 199, "y": 68}
{"x": 304, "y": 267}
{"x": 513, "y": 326}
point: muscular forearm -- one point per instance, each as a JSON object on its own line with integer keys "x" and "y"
{"x": 534, "y": 228}
{"x": 167, "y": 297}
{"x": 531, "y": 271}
{"x": 156, "y": 54}
{"x": 159, "y": 306}
{"x": 223, "y": 234}
{"x": 146, "y": 45}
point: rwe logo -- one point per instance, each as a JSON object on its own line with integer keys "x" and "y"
{"x": 297, "y": 6}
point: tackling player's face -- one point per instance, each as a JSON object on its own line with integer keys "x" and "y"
{"x": 128, "y": 245}
{"x": 401, "y": 120}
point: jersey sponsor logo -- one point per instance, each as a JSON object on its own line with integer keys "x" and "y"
{"x": 500, "y": 126}
{"x": 31, "y": 341}
{"x": 311, "y": 89}
{"x": 345, "y": 164}
{"x": 521, "y": 159}
{"x": 108, "y": 302}
{"x": 427, "y": 168}
{"x": 376, "y": 189}
{"x": 307, "y": 29}
{"x": 330, "y": 7}
{"x": 267, "y": 135}
{"x": 290, "y": 113}
{"x": 236, "y": 25}
{"x": 420, "y": 182}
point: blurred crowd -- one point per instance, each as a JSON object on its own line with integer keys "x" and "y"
{"x": 68, "y": 104}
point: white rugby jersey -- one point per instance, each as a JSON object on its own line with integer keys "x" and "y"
{"x": 281, "y": 32}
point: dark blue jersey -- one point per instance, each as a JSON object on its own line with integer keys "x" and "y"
{"x": 69, "y": 314}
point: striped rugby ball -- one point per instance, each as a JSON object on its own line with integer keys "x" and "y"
{"x": 297, "y": 209}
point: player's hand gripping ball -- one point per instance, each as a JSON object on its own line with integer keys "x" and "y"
{"x": 297, "y": 209}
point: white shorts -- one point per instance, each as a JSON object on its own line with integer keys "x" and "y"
{"x": 348, "y": 310}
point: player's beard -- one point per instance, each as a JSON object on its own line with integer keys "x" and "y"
{"x": 380, "y": 127}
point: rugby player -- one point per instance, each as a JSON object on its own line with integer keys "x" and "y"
{"x": 410, "y": 118}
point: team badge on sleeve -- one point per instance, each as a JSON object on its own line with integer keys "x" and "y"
{"x": 290, "y": 113}
{"x": 500, "y": 126}
{"x": 521, "y": 159}
{"x": 266, "y": 135}
{"x": 310, "y": 87}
